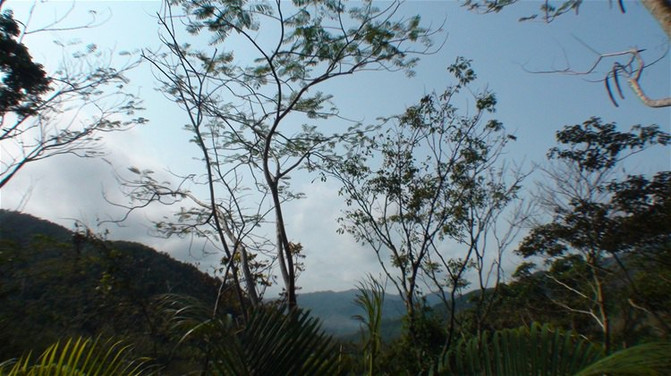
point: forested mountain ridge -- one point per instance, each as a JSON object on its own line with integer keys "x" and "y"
{"x": 51, "y": 290}
{"x": 56, "y": 283}
{"x": 337, "y": 311}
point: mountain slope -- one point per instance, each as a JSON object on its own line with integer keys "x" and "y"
{"x": 337, "y": 310}
{"x": 54, "y": 284}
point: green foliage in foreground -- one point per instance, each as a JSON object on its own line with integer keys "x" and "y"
{"x": 538, "y": 350}
{"x": 541, "y": 350}
{"x": 76, "y": 357}
{"x": 371, "y": 299}
{"x": 275, "y": 343}
{"x": 645, "y": 359}
{"x": 269, "y": 341}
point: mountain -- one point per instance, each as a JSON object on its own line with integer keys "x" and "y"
{"x": 55, "y": 284}
{"x": 337, "y": 310}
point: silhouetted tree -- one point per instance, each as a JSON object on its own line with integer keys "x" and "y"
{"x": 595, "y": 218}
{"x": 43, "y": 114}
{"x": 426, "y": 193}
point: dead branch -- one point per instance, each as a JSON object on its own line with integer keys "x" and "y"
{"x": 631, "y": 70}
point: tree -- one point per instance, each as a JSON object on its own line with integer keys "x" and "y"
{"x": 257, "y": 116}
{"x": 63, "y": 112}
{"x": 631, "y": 65}
{"x": 426, "y": 192}
{"x": 24, "y": 80}
{"x": 596, "y": 219}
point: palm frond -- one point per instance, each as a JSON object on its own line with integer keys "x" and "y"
{"x": 76, "y": 357}
{"x": 270, "y": 342}
{"x": 277, "y": 343}
{"x": 652, "y": 359}
{"x": 538, "y": 350}
{"x": 370, "y": 298}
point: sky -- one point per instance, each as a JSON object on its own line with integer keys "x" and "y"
{"x": 505, "y": 54}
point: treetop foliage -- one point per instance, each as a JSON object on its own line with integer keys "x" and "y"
{"x": 23, "y": 81}
{"x": 311, "y": 33}
{"x": 596, "y": 148}
{"x": 595, "y": 145}
{"x": 548, "y": 9}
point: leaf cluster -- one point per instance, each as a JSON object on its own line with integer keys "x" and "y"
{"x": 23, "y": 81}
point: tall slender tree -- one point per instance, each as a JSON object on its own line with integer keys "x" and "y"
{"x": 252, "y": 99}
{"x": 425, "y": 193}
{"x": 591, "y": 222}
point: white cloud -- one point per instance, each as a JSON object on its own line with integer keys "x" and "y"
{"x": 333, "y": 261}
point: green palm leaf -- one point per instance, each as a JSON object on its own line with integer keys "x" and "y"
{"x": 539, "y": 350}
{"x": 271, "y": 342}
{"x": 275, "y": 343}
{"x": 370, "y": 298}
{"x": 78, "y": 357}
{"x": 543, "y": 351}
{"x": 646, "y": 359}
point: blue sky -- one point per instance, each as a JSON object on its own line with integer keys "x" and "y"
{"x": 532, "y": 106}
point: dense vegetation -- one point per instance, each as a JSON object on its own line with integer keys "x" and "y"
{"x": 56, "y": 283}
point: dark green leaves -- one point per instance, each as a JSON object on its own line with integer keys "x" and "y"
{"x": 629, "y": 209}
{"x": 594, "y": 145}
{"x": 548, "y": 10}
{"x": 23, "y": 81}
{"x": 538, "y": 350}
{"x": 462, "y": 70}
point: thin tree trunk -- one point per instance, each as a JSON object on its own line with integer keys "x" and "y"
{"x": 284, "y": 249}
{"x": 602, "y": 304}
{"x": 250, "y": 284}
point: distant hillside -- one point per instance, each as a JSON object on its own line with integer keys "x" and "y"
{"x": 337, "y": 311}
{"x": 53, "y": 285}
{"x": 51, "y": 288}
